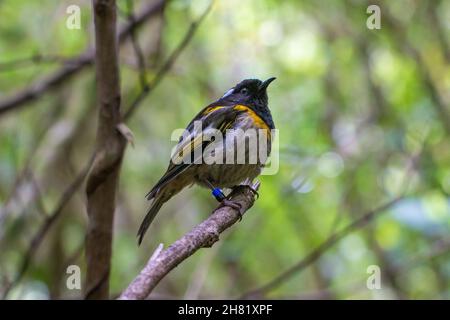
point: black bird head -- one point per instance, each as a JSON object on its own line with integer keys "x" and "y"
{"x": 251, "y": 93}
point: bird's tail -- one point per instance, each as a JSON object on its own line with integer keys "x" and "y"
{"x": 151, "y": 213}
{"x": 166, "y": 188}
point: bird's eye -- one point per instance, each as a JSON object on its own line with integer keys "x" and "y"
{"x": 244, "y": 90}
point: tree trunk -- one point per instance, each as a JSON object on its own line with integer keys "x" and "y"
{"x": 103, "y": 178}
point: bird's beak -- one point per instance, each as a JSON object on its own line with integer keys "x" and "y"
{"x": 263, "y": 86}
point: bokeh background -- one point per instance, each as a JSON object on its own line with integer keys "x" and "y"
{"x": 363, "y": 118}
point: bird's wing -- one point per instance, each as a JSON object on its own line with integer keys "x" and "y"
{"x": 189, "y": 149}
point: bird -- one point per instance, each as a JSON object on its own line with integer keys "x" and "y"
{"x": 241, "y": 108}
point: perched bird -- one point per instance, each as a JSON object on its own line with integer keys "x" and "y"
{"x": 244, "y": 107}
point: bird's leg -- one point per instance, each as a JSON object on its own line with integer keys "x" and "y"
{"x": 216, "y": 192}
{"x": 223, "y": 200}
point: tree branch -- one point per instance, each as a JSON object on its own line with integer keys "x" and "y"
{"x": 337, "y": 236}
{"x": 167, "y": 64}
{"x": 75, "y": 65}
{"x": 401, "y": 40}
{"x": 203, "y": 235}
{"x": 137, "y": 48}
{"x": 110, "y": 146}
{"x": 45, "y": 227}
{"x": 32, "y": 60}
{"x": 315, "y": 254}
{"x": 73, "y": 187}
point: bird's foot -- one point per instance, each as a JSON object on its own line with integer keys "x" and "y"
{"x": 246, "y": 186}
{"x": 226, "y": 202}
{"x": 234, "y": 205}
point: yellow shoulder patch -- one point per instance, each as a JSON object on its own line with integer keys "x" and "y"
{"x": 257, "y": 120}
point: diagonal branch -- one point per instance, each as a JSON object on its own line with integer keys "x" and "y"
{"x": 75, "y": 65}
{"x": 32, "y": 60}
{"x": 203, "y": 235}
{"x": 168, "y": 63}
{"x": 43, "y": 230}
{"x": 337, "y": 236}
{"x": 400, "y": 36}
{"x": 315, "y": 254}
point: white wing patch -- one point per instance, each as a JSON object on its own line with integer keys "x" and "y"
{"x": 228, "y": 93}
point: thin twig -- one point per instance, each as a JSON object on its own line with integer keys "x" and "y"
{"x": 401, "y": 40}
{"x": 73, "y": 66}
{"x": 320, "y": 250}
{"x": 156, "y": 252}
{"x": 137, "y": 48}
{"x": 21, "y": 177}
{"x": 436, "y": 250}
{"x": 33, "y": 60}
{"x": 438, "y": 27}
{"x": 332, "y": 240}
{"x": 168, "y": 64}
{"x": 49, "y": 221}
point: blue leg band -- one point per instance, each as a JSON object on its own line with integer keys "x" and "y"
{"x": 218, "y": 194}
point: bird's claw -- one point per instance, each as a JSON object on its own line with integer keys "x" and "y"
{"x": 248, "y": 187}
{"x": 234, "y": 205}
